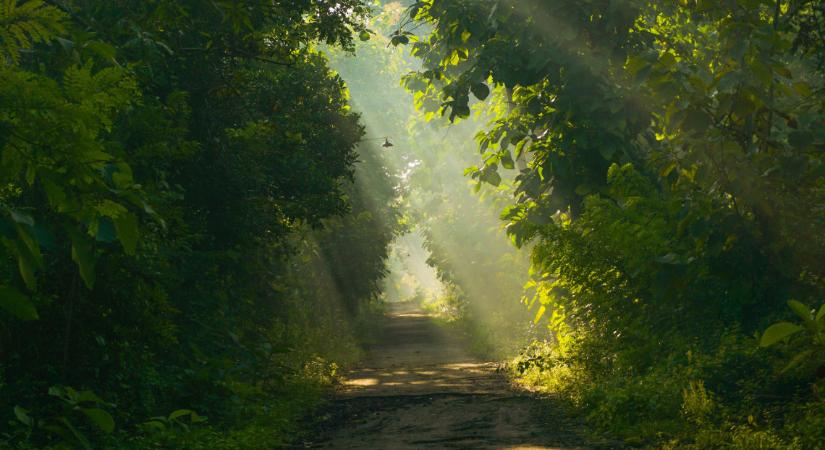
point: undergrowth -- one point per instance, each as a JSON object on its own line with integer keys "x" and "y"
{"x": 725, "y": 399}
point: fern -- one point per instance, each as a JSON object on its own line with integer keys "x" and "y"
{"x": 24, "y": 24}
{"x": 100, "y": 94}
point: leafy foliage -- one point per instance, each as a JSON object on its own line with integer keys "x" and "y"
{"x": 24, "y": 24}
{"x": 479, "y": 272}
{"x": 191, "y": 222}
{"x": 669, "y": 184}
{"x": 181, "y": 228}
{"x": 809, "y": 351}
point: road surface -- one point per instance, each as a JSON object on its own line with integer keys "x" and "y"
{"x": 420, "y": 388}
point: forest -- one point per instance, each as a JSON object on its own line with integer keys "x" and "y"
{"x": 210, "y": 208}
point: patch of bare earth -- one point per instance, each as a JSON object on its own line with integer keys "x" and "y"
{"x": 420, "y": 388}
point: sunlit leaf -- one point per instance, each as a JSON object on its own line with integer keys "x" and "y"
{"x": 801, "y": 310}
{"x": 542, "y": 309}
{"x": 778, "y": 332}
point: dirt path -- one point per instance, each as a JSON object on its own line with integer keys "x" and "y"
{"x": 419, "y": 388}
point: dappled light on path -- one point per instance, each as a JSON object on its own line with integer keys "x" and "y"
{"x": 417, "y": 356}
{"x": 449, "y": 377}
{"x": 420, "y": 388}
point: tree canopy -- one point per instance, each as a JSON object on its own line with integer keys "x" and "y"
{"x": 669, "y": 179}
{"x": 180, "y": 225}
{"x": 197, "y": 215}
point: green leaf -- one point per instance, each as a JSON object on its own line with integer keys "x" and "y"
{"x": 100, "y": 418}
{"x": 539, "y": 314}
{"x": 103, "y": 49}
{"x": 777, "y": 332}
{"x": 21, "y": 217}
{"x": 106, "y": 230}
{"x": 180, "y": 413}
{"x": 399, "y": 40}
{"x": 798, "y": 359}
{"x": 728, "y": 81}
{"x": 491, "y": 177}
{"x": 696, "y": 120}
{"x": 26, "y": 235}
{"x": 507, "y": 160}
{"x": 122, "y": 176}
{"x": 87, "y": 396}
{"x": 84, "y": 255}
{"x": 801, "y": 310}
{"x": 81, "y": 439}
{"x": 127, "y": 231}
{"x": 670, "y": 258}
{"x": 55, "y": 194}
{"x": 821, "y": 314}
{"x": 22, "y": 415}
{"x": 65, "y": 43}
{"x": 802, "y": 88}
{"x": 667, "y": 170}
{"x": 57, "y": 391}
{"x": 761, "y": 72}
{"x": 800, "y": 139}
{"x": 636, "y": 65}
{"x": 17, "y": 304}
{"x": 667, "y": 60}
{"x": 26, "y": 264}
{"x": 743, "y": 106}
{"x": 480, "y": 90}
{"x": 153, "y": 425}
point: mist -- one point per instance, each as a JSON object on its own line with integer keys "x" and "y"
{"x": 455, "y": 259}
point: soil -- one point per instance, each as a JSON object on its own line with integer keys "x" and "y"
{"x": 420, "y": 388}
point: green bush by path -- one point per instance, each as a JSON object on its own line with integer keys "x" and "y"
{"x": 185, "y": 254}
{"x": 669, "y": 186}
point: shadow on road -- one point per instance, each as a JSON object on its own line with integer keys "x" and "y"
{"x": 420, "y": 388}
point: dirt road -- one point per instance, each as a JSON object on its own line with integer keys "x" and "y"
{"x": 420, "y": 388}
